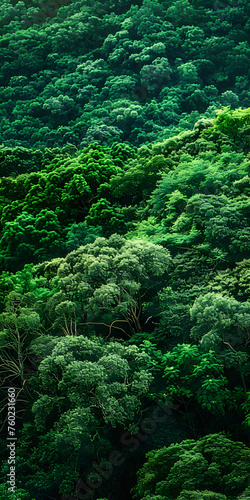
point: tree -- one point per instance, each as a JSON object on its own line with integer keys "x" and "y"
{"x": 20, "y": 324}
{"x": 111, "y": 216}
{"x": 85, "y": 388}
{"x": 109, "y": 280}
{"x": 220, "y": 319}
{"x": 174, "y": 317}
{"x": 30, "y": 238}
{"x": 213, "y": 462}
{"x": 81, "y": 234}
{"x": 223, "y": 322}
{"x": 230, "y": 122}
{"x": 191, "y": 376}
{"x": 14, "y": 161}
{"x": 157, "y": 74}
{"x": 101, "y": 134}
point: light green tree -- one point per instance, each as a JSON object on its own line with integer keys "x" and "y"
{"x": 110, "y": 281}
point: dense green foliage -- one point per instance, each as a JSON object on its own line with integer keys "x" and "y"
{"x": 90, "y": 71}
{"x": 124, "y": 248}
{"x": 213, "y": 463}
{"x": 82, "y": 385}
{"x": 159, "y": 273}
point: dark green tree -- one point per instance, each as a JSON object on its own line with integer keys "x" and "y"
{"x": 213, "y": 463}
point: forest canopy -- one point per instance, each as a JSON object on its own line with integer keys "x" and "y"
{"x": 124, "y": 249}
{"x": 81, "y": 72}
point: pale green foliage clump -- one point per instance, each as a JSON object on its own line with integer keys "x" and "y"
{"x": 219, "y": 319}
{"x": 87, "y": 374}
{"x": 107, "y": 281}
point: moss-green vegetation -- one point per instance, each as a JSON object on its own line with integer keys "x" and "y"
{"x": 124, "y": 248}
